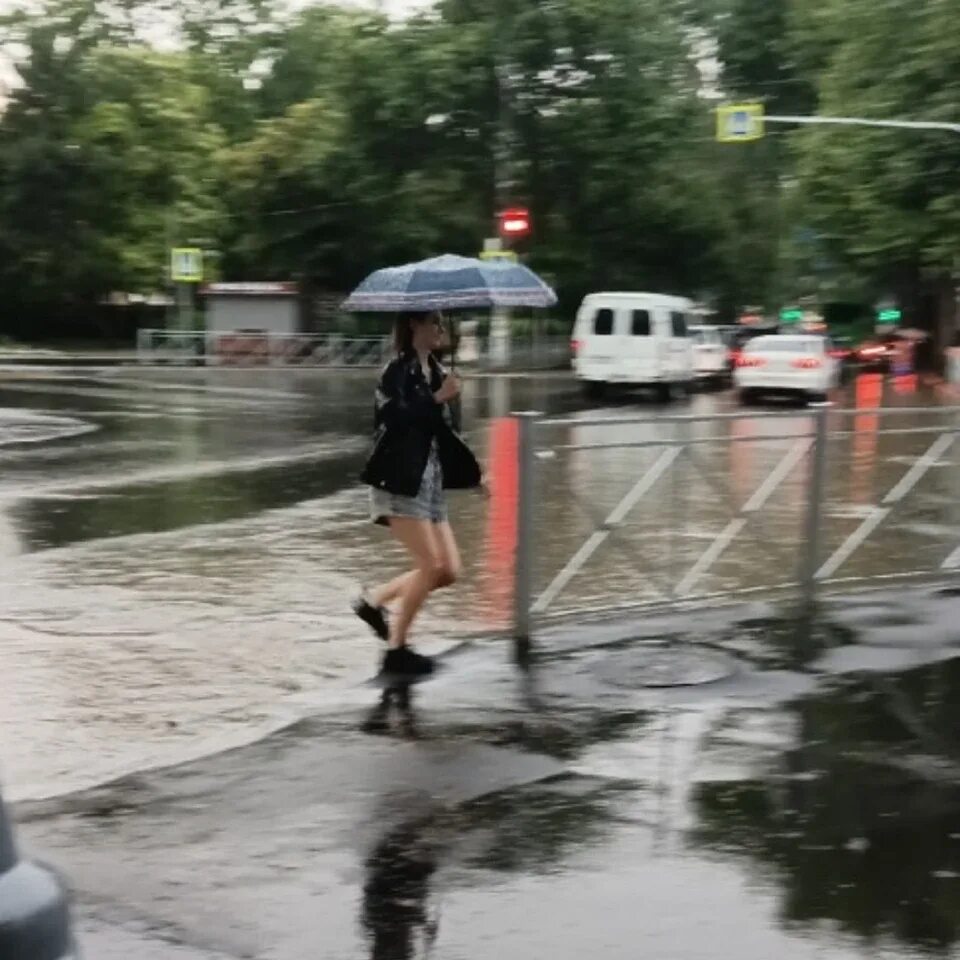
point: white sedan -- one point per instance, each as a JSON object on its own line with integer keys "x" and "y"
{"x": 783, "y": 364}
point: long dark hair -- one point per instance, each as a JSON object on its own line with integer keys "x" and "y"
{"x": 405, "y": 324}
{"x": 403, "y": 330}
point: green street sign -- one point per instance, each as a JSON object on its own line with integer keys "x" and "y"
{"x": 892, "y": 316}
{"x": 791, "y": 315}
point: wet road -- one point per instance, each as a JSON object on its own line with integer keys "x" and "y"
{"x": 176, "y": 553}
{"x": 177, "y": 546}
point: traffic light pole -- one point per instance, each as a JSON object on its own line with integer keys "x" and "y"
{"x": 499, "y": 339}
{"x": 184, "y": 307}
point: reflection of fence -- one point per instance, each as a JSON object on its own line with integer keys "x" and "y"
{"x": 687, "y": 508}
{"x": 259, "y": 348}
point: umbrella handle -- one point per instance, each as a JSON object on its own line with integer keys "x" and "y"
{"x": 454, "y": 344}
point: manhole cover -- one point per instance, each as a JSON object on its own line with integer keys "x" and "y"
{"x": 666, "y": 665}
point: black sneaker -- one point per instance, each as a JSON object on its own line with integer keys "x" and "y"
{"x": 374, "y": 617}
{"x": 404, "y": 662}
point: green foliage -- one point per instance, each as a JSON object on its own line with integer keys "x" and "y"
{"x": 323, "y": 144}
{"x": 761, "y": 53}
{"x": 104, "y": 162}
{"x": 888, "y": 198}
{"x": 862, "y": 212}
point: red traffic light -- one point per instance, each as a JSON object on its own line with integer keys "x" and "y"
{"x": 514, "y": 223}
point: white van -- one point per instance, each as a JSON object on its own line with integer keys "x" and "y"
{"x": 640, "y": 339}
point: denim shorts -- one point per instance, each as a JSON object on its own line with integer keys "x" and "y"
{"x": 430, "y": 503}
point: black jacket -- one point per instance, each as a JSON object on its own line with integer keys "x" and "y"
{"x": 407, "y": 419}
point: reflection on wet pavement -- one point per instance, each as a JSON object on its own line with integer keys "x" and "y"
{"x": 396, "y": 889}
{"x": 793, "y": 807}
{"x": 857, "y": 820}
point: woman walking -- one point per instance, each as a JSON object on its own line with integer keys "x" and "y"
{"x": 417, "y": 455}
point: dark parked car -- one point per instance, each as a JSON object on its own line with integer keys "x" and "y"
{"x": 34, "y": 918}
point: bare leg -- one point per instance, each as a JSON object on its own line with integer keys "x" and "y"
{"x": 449, "y": 554}
{"x": 425, "y": 548}
{"x": 391, "y": 590}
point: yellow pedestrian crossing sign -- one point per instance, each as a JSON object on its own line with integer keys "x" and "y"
{"x": 740, "y": 122}
{"x": 186, "y": 265}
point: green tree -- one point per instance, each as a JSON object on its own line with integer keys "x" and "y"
{"x": 325, "y": 144}
{"x": 232, "y": 43}
{"x": 760, "y": 43}
{"x": 587, "y": 112}
{"x": 887, "y": 200}
{"x": 606, "y": 138}
{"x": 368, "y": 169}
{"x": 104, "y": 162}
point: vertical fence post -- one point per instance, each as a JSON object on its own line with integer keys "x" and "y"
{"x": 523, "y": 559}
{"x": 817, "y": 489}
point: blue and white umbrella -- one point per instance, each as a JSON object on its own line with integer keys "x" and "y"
{"x": 450, "y": 283}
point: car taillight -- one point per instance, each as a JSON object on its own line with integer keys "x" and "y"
{"x": 745, "y": 361}
{"x": 807, "y": 363}
{"x": 575, "y": 346}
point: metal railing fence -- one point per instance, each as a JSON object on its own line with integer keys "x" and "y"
{"x": 814, "y": 488}
{"x": 257, "y": 348}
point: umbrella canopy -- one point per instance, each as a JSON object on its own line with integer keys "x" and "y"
{"x": 450, "y": 283}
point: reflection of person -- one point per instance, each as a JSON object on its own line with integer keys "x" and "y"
{"x": 395, "y": 894}
{"x": 417, "y": 455}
